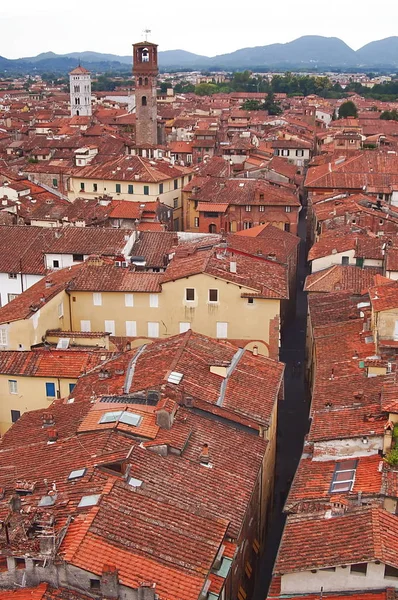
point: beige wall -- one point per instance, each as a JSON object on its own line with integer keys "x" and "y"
{"x": 387, "y": 323}
{"x": 31, "y": 395}
{"x": 108, "y": 187}
{"x": 23, "y": 334}
{"x": 245, "y": 321}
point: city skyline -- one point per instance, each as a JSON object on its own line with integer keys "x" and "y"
{"x": 217, "y": 29}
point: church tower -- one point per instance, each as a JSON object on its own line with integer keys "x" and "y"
{"x": 80, "y": 92}
{"x": 145, "y": 71}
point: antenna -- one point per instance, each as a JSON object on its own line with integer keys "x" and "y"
{"x": 146, "y": 33}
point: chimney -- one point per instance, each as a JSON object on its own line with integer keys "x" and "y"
{"x": 204, "y": 455}
{"x": 110, "y": 581}
{"x": 146, "y": 590}
{"x": 232, "y": 266}
{"x": 48, "y": 419}
{"x": 255, "y": 350}
{"x": 165, "y": 413}
{"x": 52, "y": 435}
{"x": 15, "y": 504}
{"x": 48, "y": 283}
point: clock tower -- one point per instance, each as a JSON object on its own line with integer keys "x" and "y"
{"x": 145, "y": 71}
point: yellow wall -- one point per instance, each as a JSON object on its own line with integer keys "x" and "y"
{"x": 31, "y": 395}
{"x": 245, "y": 321}
{"x": 25, "y": 333}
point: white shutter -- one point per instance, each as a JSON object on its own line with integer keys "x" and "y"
{"x": 85, "y": 325}
{"x": 222, "y": 330}
{"x": 3, "y": 337}
{"x": 184, "y": 327}
{"x": 153, "y": 329}
{"x": 129, "y": 299}
{"x": 97, "y": 299}
{"x": 153, "y": 300}
{"x": 131, "y": 328}
{"x": 110, "y": 327}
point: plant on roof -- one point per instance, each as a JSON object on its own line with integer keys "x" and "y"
{"x": 392, "y": 458}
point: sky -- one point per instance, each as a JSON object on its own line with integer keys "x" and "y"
{"x": 208, "y": 27}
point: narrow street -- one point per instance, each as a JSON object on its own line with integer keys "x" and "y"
{"x": 292, "y": 419}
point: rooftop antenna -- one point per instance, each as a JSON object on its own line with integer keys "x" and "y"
{"x": 146, "y": 33}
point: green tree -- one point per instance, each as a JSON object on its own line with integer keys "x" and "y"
{"x": 251, "y": 105}
{"x": 348, "y": 109}
{"x": 206, "y": 89}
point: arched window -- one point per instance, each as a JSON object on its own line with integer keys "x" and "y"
{"x": 143, "y": 101}
{"x": 146, "y": 81}
{"x": 77, "y": 113}
{"x": 140, "y": 81}
{"x": 145, "y": 55}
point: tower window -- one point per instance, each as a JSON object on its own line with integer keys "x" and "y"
{"x": 146, "y": 81}
{"x": 143, "y": 101}
{"x": 77, "y": 89}
{"x": 140, "y": 81}
{"x": 145, "y": 55}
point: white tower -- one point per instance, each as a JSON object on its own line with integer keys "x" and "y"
{"x": 80, "y": 92}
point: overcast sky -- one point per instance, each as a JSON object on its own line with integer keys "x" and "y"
{"x": 207, "y": 27}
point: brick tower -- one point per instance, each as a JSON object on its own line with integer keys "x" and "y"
{"x": 145, "y": 71}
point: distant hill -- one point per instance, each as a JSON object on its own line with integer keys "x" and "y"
{"x": 380, "y": 52}
{"x": 308, "y": 51}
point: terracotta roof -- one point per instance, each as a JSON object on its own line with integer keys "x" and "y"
{"x": 384, "y": 297}
{"x": 110, "y": 278}
{"x": 359, "y": 536}
{"x": 341, "y": 277}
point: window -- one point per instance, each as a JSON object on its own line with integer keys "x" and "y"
{"x": 344, "y": 476}
{"x": 12, "y": 386}
{"x": 196, "y": 222}
{"x": 184, "y": 327}
{"x": 146, "y": 190}
{"x": 3, "y": 337}
{"x": 160, "y": 188}
{"x": 153, "y": 300}
{"x": 55, "y": 264}
{"x": 359, "y": 262}
{"x": 12, "y": 297}
{"x": 12, "y": 275}
{"x": 131, "y": 328}
{"x": 213, "y": 295}
{"x": 287, "y": 227}
{"x": 129, "y": 299}
{"x": 190, "y": 294}
{"x": 288, "y": 209}
{"x": 95, "y": 584}
{"x": 110, "y": 327}
{"x": 130, "y": 189}
{"x": 71, "y": 387}
{"x": 118, "y": 188}
{"x": 345, "y": 260}
{"x": 97, "y": 299}
{"x": 55, "y": 182}
{"x": 85, "y": 325}
{"x": 77, "y": 473}
{"x": 95, "y": 187}
{"x": 143, "y": 101}
{"x": 82, "y": 186}
{"x": 175, "y": 202}
{"x": 359, "y": 568}
{"x": 222, "y": 330}
{"x": 285, "y": 152}
{"x": 15, "y": 414}
{"x": 91, "y": 500}
{"x": 390, "y": 571}
{"x": 261, "y": 208}
{"x": 77, "y": 257}
{"x": 247, "y": 225}
{"x": 250, "y": 300}
{"x": 153, "y": 329}
{"x": 176, "y": 184}
{"x": 248, "y": 208}
{"x": 50, "y": 389}
{"x": 299, "y": 152}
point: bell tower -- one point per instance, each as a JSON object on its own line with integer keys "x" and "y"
{"x": 80, "y": 92}
{"x": 145, "y": 71}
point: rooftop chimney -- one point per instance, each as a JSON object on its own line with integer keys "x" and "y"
{"x": 255, "y": 350}
{"x": 52, "y": 435}
{"x": 204, "y": 455}
{"x": 48, "y": 419}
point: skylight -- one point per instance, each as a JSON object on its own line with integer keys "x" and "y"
{"x": 89, "y": 500}
{"x": 122, "y": 416}
{"x": 344, "y": 476}
{"x": 77, "y": 473}
{"x": 135, "y": 482}
{"x": 175, "y": 377}
{"x": 47, "y": 500}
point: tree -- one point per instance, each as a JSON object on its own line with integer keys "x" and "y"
{"x": 251, "y": 105}
{"x": 206, "y": 89}
{"x": 348, "y": 109}
{"x": 271, "y": 106}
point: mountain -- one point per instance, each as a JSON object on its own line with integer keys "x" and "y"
{"x": 308, "y": 50}
{"x": 380, "y": 52}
